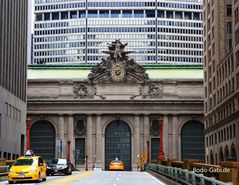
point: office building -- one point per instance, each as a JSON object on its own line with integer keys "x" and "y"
{"x": 13, "y": 67}
{"x": 76, "y": 31}
{"x": 221, "y": 80}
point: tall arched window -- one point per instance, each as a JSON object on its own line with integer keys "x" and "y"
{"x": 221, "y": 158}
{"x": 211, "y": 158}
{"x": 42, "y": 139}
{"x": 118, "y": 143}
{"x": 192, "y": 141}
{"x": 226, "y": 152}
{"x": 233, "y": 151}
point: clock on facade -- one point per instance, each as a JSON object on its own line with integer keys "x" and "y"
{"x": 117, "y": 72}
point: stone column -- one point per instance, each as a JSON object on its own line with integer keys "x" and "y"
{"x": 165, "y": 136}
{"x": 99, "y": 149}
{"x": 89, "y": 144}
{"x": 137, "y": 139}
{"x": 71, "y": 137}
{"x": 61, "y": 133}
{"x": 175, "y": 136}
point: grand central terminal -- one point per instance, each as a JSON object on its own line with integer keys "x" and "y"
{"x": 116, "y": 109}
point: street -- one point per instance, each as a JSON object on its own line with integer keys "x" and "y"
{"x": 101, "y": 177}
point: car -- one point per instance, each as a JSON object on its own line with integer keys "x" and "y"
{"x": 27, "y": 168}
{"x": 59, "y": 165}
{"x": 116, "y": 165}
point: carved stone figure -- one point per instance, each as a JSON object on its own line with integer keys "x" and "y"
{"x": 80, "y": 90}
{"x": 155, "y": 91}
{"x": 117, "y": 67}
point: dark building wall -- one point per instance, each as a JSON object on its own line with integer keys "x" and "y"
{"x": 13, "y": 66}
{"x": 13, "y": 46}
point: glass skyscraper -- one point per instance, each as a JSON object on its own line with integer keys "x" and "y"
{"x": 158, "y": 31}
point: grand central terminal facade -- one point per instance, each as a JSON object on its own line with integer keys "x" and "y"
{"x": 113, "y": 110}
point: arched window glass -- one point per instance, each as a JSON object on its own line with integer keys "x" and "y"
{"x": 42, "y": 139}
{"x": 118, "y": 143}
{"x": 192, "y": 141}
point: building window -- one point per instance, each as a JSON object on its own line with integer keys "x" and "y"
{"x": 229, "y": 27}
{"x": 229, "y": 10}
{"x": 47, "y": 16}
{"x": 154, "y": 149}
{"x": 55, "y": 16}
{"x": 80, "y": 150}
{"x": 150, "y": 13}
{"x": 38, "y": 17}
{"x": 92, "y": 13}
{"x": 64, "y": 15}
{"x": 187, "y": 15}
{"x": 115, "y": 13}
{"x": 234, "y": 130}
{"x": 104, "y": 14}
{"x": 73, "y": 15}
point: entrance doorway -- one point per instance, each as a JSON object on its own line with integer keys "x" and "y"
{"x": 118, "y": 143}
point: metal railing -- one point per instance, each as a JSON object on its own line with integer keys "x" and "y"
{"x": 4, "y": 170}
{"x": 184, "y": 176}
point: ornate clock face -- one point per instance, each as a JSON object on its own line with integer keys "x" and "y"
{"x": 117, "y": 72}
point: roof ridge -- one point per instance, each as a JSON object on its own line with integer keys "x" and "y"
{"x": 89, "y": 66}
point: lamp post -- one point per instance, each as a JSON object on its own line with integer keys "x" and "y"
{"x": 28, "y": 128}
{"x": 68, "y": 150}
{"x": 161, "y": 152}
{"x": 148, "y": 160}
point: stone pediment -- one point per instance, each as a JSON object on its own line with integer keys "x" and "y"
{"x": 118, "y": 68}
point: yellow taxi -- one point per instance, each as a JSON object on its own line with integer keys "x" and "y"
{"x": 116, "y": 165}
{"x": 27, "y": 168}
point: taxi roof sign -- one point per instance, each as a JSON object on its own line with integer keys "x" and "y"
{"x": 29, "y": 153}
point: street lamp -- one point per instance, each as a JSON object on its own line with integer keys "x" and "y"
{"x": 138, "y": 163}
{"x": 68, "y": 150}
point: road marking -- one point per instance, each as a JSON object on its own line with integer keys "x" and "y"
{"x": 68, "y": 179}
{"x": 157, "y": 180}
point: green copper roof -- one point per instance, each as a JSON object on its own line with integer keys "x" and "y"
{"x": 82, "y": 71}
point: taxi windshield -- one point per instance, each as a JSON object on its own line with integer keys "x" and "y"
{"x": 24, "y": 162}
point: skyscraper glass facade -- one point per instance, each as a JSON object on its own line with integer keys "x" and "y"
{"x": 158, "y": 31}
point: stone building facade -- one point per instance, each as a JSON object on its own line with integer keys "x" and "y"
{"x": 114, "y": 112}
{"x": 221, "y": 80}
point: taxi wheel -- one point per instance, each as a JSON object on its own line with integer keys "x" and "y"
{"x": 10, "y": 182}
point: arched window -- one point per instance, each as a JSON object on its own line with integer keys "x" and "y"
{"x": 118, "y": 143}
{"x": 221, "y": 155}
{"x": 234, "y": 154}
{"x": 226, "y": 152}
{"x": 42, "y": 139}
{"x": 192, "y": 141}
{"x": 211, "y": 158}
